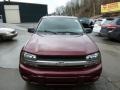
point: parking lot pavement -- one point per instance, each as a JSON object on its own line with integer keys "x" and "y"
{"x": 27, "y": 25}
{"x": 9, "y": 59}
{"x": 110, "y": 51}
{"x": 9, "y": 50}
{"x": 14, "y": 26}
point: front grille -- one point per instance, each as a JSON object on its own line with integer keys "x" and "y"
{"x": 61, "y": 58}
{"x": 13, "y": 32}
{"x": 62, "y": 68}
{"x": 53, "y": 62}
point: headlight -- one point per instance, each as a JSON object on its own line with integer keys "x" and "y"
{"x": 7, "y": 33}
{"x": 29, "y": 57}
{"x": 13, "y": 32}
{"x": 96, "y": 57}
{"x": 92, "y": 56}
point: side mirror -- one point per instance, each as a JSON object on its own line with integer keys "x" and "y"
{"x": 31, "y": 30}
{"x": 88, "y": 30}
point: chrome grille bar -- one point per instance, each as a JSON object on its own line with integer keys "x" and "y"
{"x": 59, "y": 63}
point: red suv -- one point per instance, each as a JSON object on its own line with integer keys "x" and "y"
{"x": 60, "y": 53}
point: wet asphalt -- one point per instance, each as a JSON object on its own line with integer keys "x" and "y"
{"x": 9, "y": 59}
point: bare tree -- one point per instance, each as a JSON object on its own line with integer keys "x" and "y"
{"x": 85, "y": 7}
{"x": 60, "y": 10}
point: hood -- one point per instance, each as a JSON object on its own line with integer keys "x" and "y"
{"x": 4, "y": 30}
{"x": 60, "y": 45}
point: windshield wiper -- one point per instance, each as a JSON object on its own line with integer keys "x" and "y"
{"x": 75, "y": 33}
{"x": 71, "y": 33}
{"x": 45, "y": 31}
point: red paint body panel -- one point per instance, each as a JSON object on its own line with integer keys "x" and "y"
{"x": 73, "y": 76}
{"x": 60, "y": 45}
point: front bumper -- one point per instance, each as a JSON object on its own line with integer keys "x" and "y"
{"x": 9, "y": 36}
{"x": 72, "y": 76}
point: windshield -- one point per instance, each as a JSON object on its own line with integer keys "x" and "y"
{"x": 84, "y": 20}
{"x": 105, "y": 22}
{"x": 98, "y": 22}
{"x": 60, "y": 25}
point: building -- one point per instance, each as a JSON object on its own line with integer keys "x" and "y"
{"x": 18, "y": 12}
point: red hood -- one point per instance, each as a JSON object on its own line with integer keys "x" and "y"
{"x": 60, "y": 45}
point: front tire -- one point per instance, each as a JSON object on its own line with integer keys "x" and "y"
{"x": 118, "y": 37}
{"x": 7, "y": 39}
{"x": 115, "y": 36}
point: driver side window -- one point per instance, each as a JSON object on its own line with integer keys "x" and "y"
{"x": 118, "y": 22}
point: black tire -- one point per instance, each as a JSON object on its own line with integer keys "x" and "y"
{"x": 28, "y": 83}
{"x": 118, "y": 37}
{"x": 31, "y": 83}
{"x": 1, "y": 37}
{"x": 115, "y": 36}
{"x": 110, "y": 38}
{"x": 7, "y": 39}
{"x": 10, "y": 39}
{"x": 99, "y": 34}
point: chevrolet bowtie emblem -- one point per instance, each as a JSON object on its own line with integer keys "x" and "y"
{"x": 60, "y": 63}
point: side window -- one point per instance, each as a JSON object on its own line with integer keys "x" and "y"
{"x": 118, "y": 22}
